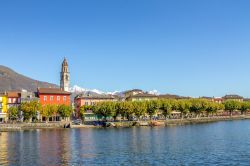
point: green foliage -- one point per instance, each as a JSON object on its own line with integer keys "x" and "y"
{"x": 83, "y": 110}
{"x": 212, "y": 108}
{"x": 152, "y": 107}
{"x": 49, "y": 110}
{"x": 232, "y": 105}
{"x": 198, "y": 105}
{"x": 30, "y": 109}
{"x": 13, "y": 113}
{"x": 65, "y": 111}
{"x": 126, "y": 109}
{"x": 167, "y": 106}
{"x": 183, "y": 106}
{"x": 105, "y": 109}
{"x": 139, "y": 108}
{"x": 244, "y": 107}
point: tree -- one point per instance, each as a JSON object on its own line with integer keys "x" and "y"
{"x": 184, "y": 107}
{"x": 139, "y": 108}
{"x": 231, "y": 106}
{"x": 167, "y": 107}
{"x": 152, "y": 107}
{"x": 65, "y": 111}
{"x": 105, "y": 109}
{"x": 212, "y": 108}
{"x": 244, "y": 107}
{"x": 30, "y": 109}
{"x": 48, "y": 111}
{"x": 126, "y": 109}
{"x": 83, "y": 110}
{"x": 13, "y": 113}
{"x": 115, "y": 112}
{"x": 198, "y": 106}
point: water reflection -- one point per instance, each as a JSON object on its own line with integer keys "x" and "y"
{"x": 225, "y": 143}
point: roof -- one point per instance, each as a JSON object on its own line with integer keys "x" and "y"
{"x": 232, "y": 97}
{"x": 206, "y": 97}
{"x": 169, "y": 96}
{"x": 143, "y": 95}
{"x": 134, "y": 90}
{"x": 52, "y": 91}
{"x": 14, "y": 94}
{"x": 96, "y": 96}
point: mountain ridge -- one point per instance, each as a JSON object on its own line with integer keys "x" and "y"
{"x": 11, "y": 80}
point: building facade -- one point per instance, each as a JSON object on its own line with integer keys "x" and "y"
{"x": 233, "y": 97}
{"x": 50, "y": 96}
{"x": 142, "y": 97}
{"x": 14, "y": 99}
{"x": 3, "y": 107}
{"x": 90, "y": 100}
{"x": 65, "y": 76}
{"x": 132, "y": 92}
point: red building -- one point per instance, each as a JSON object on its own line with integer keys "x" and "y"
{"x": 53, "y": 96}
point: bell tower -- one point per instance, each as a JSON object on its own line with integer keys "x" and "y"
{"x": 65, "y": 76}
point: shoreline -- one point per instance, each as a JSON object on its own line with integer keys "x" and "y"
{"x": 126, "y": 124}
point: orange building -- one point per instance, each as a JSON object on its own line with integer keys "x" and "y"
{"x": 53, "y": 96}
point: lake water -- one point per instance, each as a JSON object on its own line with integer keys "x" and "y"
{"x": 222, "y": 143}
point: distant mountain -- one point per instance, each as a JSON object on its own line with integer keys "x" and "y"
{"x": 11, "y": 80}
{"x": 79, "y": 90}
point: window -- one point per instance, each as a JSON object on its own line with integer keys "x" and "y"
{"x": 14, "y": 100}
{"x": 64, "y": 98}
{"x": 58, "y": 98}
{"x": 51, "y": 98}
{"x": 45, "y": 98}
{"x": 86, "y": 103}
{"x": 9, "y": 100}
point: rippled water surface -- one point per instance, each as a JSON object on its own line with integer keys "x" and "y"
{"x": 223, "y": 143}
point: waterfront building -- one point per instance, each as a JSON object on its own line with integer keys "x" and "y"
{"x": 233, "y": 97}
{"x": 65, "y": 76}
{"x": 3, "y": 107}
{"x": 169, "y": 96}
{"x": 132, "y": 93}
{"x": 49, "y": 96}
{"x": 218, "y": 100}
{"x": 142, "y": 97}
{"x": 246, "y": 99}
{"x": 14, "y": 98}
{"x": 28, "y": 96}
{"x": 90, "y": 100}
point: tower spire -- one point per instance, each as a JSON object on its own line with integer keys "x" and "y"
{"x": 65, "y": 76}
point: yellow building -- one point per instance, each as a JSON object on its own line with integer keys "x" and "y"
{"x": 3, "y": 107}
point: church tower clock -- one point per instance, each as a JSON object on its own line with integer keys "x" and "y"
{"x": 65, "y": 76}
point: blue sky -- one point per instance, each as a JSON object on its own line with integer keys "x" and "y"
{"x": 194, "y": 47}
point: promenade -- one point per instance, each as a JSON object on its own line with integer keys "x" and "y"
{"x": 123, "y": 124}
